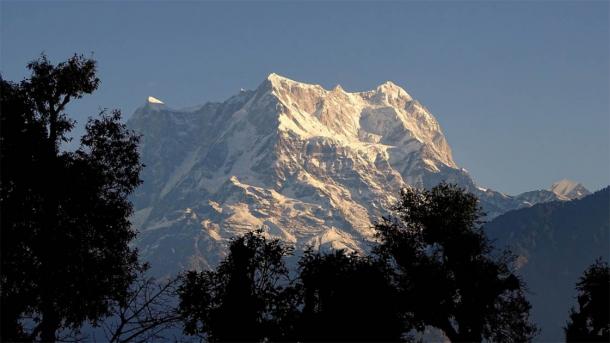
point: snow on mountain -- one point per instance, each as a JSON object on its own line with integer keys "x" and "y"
{"x": 154, "y": 100}
{"x": 563, "y": 190}
{"x": 308, "y": 165}
{"x": 538, "y": 196}
{"x": 569, "y": 189}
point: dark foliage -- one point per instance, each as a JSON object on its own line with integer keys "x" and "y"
{"x": 591, "y": 322}
{"x": 245, "y": 299}
{"x": 65, "y": 229}
{"x": 347, "y": 297}
{"x": 249, "y": 297}
{"x": 447, "y": 277}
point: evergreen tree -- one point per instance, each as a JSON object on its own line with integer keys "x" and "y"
{"x": 591, "y": 323}
{"x": 446, "y": 274}
{"x": 65, "y": 230}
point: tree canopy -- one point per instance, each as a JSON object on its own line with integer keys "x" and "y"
{"x": 446, "y": 273}
{"x": 347, "y": 297}
{"x": 337, "y": 296}
{"x": 65, "y": 228}
{"x": 245, "y": 298}
{"x": 591, "y": 322}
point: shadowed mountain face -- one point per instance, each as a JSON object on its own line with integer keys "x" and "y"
{"x": 555, "y": 243}
{"x": 309, "y": 165}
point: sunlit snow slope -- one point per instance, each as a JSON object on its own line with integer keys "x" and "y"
{"x": 308, "y": 165}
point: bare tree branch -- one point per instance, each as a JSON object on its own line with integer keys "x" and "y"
{"x": 148, "y": 315}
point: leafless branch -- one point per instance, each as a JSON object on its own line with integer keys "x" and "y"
{"x": 147, "y": 315}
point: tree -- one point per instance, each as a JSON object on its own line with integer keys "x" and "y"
{"x": 245, "y": 299}
{"x": 20, "y": 140}
{"x": 148, "y": 313}
{"x": 591, "y": 323}
{"x": 346, "y": 297}
{"x": 446, "y": 274}
{"x": 65, "y": 230}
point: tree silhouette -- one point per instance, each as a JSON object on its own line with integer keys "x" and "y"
{"x": 347, "y": 297}
{"x": 432, "y": 267}
{"x": 591, "y": 323}
{"x": 149, "y": 312}
{"x": 245, "y": 299}
{"x": 65, "y": 231}
{"x": 447, "y": 277}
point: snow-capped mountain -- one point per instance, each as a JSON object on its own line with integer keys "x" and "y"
{"x": 562, "y": 190}
{"x": 308, "y": 165}
{"x": 569, "y": 189}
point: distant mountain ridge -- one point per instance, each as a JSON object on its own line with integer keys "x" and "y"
{"x": 569, "y": 189}
{"x": 563, "y": 190}
{"x": 311, "y": 166}
{"x": 555, "y": 242}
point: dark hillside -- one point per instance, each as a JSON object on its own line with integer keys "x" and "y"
{"x": 555, "y": 243}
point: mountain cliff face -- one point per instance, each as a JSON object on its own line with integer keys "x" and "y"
{"x": 555, "y": 242}
{"x": 308, "y": 165}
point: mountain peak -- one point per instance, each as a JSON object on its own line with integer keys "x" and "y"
{"x": 569, "y": 189}
{"x": 389, "y": 84}
{"x": 153, "y": 100}
{"x": 391, "y": 89}
{"x": 280, "y": 81}
{"x": 277, "y": 77}
{"x": 338, "y": 88}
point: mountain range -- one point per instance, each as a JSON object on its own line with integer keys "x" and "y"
{"x": 554, "y": 243}
{"x": 308, "y": 165}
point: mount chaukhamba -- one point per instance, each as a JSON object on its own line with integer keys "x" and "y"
{"x": 307, "y": 165}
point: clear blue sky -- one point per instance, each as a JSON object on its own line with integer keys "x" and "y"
{"x": 521, "y": 89}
